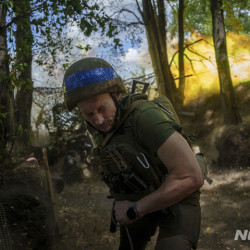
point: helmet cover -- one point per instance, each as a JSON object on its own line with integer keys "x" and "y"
{"x": 89, "y": 77}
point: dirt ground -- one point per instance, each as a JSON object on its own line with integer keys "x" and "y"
{"x": 84, "y": 211}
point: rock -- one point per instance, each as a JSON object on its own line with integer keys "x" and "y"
{"x": 233, "y": 145}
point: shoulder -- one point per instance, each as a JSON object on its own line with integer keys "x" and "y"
{"x": 148, "y": 112}
{"x": 128, "y": 99}
{"x": 152, "y": 126}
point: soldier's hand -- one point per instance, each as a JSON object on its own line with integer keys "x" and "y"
{"x": 121, "y": 208}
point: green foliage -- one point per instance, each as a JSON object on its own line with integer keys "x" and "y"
{"x": 112, "y": 30}
{"x": 17, "y": 69}
{"x": 236, "y": 16}
{"x": 200, "y": 22}
{"x": 117, "y": 42}
{"x": 87, "y": 27}
{"x": 3, "y": 114}
{"x": 49, "y": 21}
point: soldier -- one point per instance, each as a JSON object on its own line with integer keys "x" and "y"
{"x": 147, "y": 164}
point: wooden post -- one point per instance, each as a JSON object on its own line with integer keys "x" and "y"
{"x": 50, "y": 189}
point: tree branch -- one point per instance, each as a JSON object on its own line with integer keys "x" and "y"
{"x": 173, "y": 9}
{"x": 191, "y": 63}
{"x": 2, "y": 28}
{"x": 183, "y": 76}
{"x": 148, "y": 76}
{"x": 139, "y": 9}
{"x": 124, "y": 23}
{"x": 187, "y": 47}
{"x": 151, "y": 75}
{"x": 172, "y": 59}
{"x": 131, "y": 12}
{"x": 196, "y": 53}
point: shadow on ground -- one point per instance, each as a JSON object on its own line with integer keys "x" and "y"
{"x": 225, "y": 209}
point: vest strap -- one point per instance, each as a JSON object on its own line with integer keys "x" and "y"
{"x": 132, "y": 106}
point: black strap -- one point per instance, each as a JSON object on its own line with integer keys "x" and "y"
{"x": 132, "y": 106}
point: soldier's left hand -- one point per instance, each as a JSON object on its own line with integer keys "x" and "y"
{"x": 121, "y": 208}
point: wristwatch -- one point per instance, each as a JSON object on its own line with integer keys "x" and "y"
{"x": 132, "y": 212}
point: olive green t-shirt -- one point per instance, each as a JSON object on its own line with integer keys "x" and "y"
{"x": 152, "y": 126}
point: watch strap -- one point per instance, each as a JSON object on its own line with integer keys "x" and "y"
{"x": 132, "y": 211}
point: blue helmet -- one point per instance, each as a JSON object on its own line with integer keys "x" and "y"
{"x": 88, "y": 77}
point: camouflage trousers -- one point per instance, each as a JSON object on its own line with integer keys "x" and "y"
{"x": 179, "y": 227}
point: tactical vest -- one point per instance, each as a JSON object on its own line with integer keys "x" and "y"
{"x": 129, "y": 170}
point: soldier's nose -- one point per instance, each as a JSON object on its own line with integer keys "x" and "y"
{"x": 99, "y": 119}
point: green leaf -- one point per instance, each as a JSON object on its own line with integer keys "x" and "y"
{"x": 86, "y": 27}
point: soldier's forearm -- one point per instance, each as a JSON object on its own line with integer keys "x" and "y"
{"x": 170, "y": 192}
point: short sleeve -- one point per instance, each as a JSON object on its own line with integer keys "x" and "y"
{"x": 152, "y": 126}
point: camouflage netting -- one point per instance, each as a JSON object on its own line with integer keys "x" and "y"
{"x": 233, "y": 145}
{"x": 66, "y": 129}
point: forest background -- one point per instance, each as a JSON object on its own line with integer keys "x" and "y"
{"x": 179, "y": 47}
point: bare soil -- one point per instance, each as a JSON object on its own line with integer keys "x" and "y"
{"x": 84, "y": 213}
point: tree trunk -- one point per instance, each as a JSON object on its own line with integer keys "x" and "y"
{"x": 24, "y": 40}
{"x": 181, "y": 54}
{"x": 231, "y": 113}
{"x": 7, "y": 125}
{"x": 155, "y": 26}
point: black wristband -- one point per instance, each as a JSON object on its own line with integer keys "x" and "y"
{"x": 132, "y": 212}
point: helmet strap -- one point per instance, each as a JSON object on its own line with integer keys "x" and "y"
{"x": 118, "y": 109}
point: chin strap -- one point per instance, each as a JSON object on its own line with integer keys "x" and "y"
{"x": 123, "y": 118}
{"x": 118, "y": 111}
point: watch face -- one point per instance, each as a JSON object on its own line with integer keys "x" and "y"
{"x": 131, "y": 213}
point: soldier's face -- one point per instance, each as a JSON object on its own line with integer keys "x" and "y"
{"x": 99, "y": 111}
